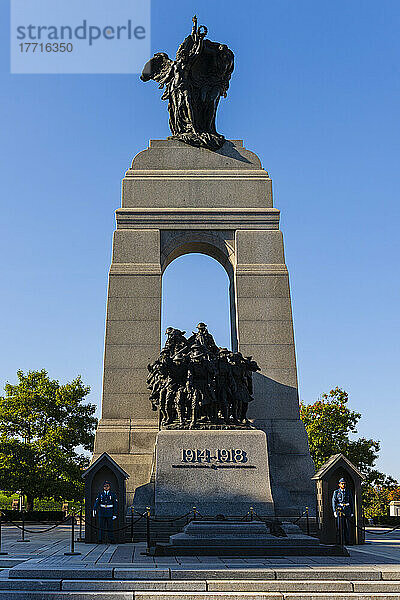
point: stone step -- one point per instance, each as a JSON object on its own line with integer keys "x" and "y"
{"x": 239, "y": 550}
{"x": 187, "y": 595}
{"x": 162, "y": 530}
{"x": 235, "y": 586}
{"x": 110, "y": 573}
{"x": 42, "y": 595}
{"x": 351, "y": 588}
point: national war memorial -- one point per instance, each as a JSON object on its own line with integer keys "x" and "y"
{"x": 198, "y": 424}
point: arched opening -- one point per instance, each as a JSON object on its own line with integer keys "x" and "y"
{"x": 196, "y": 287}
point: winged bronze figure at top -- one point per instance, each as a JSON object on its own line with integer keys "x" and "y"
{"x": 193, "y": 84}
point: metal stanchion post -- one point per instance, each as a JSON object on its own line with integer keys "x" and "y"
{"x": 80, "y": 538}
{"x": 251, "y": 513}
{"x": 194, "y": 513}
{"x": 132, "y": 513}
{"x": 23, "y": 529}
{"x": 307, "y": 521}
{"x": 363, "y": 527}
{"x": 1, "y": 519}
{"x": 148, "y": 542}
{"x": 72, "y": 550}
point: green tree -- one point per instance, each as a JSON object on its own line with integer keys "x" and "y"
{"x": 329, "y": 423}
{"x": 42, "y": 424}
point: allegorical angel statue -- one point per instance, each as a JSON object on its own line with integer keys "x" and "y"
{"x": 193, "y": 84}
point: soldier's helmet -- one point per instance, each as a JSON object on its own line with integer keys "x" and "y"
{"x": 201, "y": 326}
{"x": 169, "y": 330}
{"x": 223, "y": 351}
{"x": 342, "y": 480}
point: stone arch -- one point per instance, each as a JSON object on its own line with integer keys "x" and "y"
{"x": 218, "y": 245}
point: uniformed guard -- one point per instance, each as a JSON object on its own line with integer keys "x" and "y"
{"x": 343, "y": 509}
{"x": 106, "y": 506}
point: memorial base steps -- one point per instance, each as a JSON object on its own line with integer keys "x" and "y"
{"x": 162, "y": 530}
{"x": 341, "y": 583}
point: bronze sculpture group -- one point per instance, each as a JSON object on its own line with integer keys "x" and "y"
{"x": 193, "y": 84}
{"x": 196, "y": 384}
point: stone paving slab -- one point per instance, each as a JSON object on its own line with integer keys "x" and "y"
{"x": 338, "y": 596}
{"x": 377, "y": 586}
{"x": 280, "y": 586}
{"x": 328, "y": 574}
{"x": 139, "y": 574}
{"x": 30, "y": 584}
{"x": 18, "y": 595}
{"x": 60, "y": 573}
{"x": 222, "y": 574}
{"x": 26, "y": 595}
{"x": 391, "y": 575}
{"x": 160, "y": 585}
{"x": 207, "y": 596}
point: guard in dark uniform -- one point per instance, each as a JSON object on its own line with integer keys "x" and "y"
{"x": 106, "y": 506}
{"x": 342, "y": 504}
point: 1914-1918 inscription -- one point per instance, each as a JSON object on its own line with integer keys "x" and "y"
{"x": 219, "y": 458}
{"x": 220, "y": 455}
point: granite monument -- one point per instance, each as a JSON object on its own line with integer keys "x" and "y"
{"x": 197, "y": 192}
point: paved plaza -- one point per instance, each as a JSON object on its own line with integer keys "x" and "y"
{"x": 47, "y": 549}
{"x": 39, "y": 570}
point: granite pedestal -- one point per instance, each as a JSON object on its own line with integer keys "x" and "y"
{"x": 219, "y": 472}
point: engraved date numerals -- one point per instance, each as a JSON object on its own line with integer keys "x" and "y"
{"x": 219, "y": 455}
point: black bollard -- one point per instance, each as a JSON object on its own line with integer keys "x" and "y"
{"x": 307, "y": 521}
{"x": 251, "y": 513}
{"x": 72, "y": 550}
{"x": 148, "y": 541}
{"x": 194, "y": 513}
{"x": 23, "y": 529}
{"x": 1, "y": 519}
{"x": 132, "y": 514}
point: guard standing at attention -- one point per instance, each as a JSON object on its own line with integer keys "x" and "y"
{"x": 106, "y": 506}
{"x": 343, "y": 508}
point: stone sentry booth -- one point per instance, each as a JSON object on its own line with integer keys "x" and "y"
{"x": 104, "y": 468}
{"x": 326, "y": 481}
{"x": 198, "y": 192}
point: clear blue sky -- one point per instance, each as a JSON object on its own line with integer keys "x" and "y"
{"x": 315, "y": 93}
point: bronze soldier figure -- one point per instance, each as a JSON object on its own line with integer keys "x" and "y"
{"x": 194, "y": 383}
{"x": 199, "y": 387}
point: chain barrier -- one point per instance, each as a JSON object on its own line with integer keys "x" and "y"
{"x": 300, "y": 517}
{"x": 383, "y": 532}
{"x": 115, "y": 530}
{"x": 31, "y": 530}
{"x": 250, "y": 515}
{"x": 157, "y": 520}
{"x": 374, "y": 532}
{"x": 364, "y": 530}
